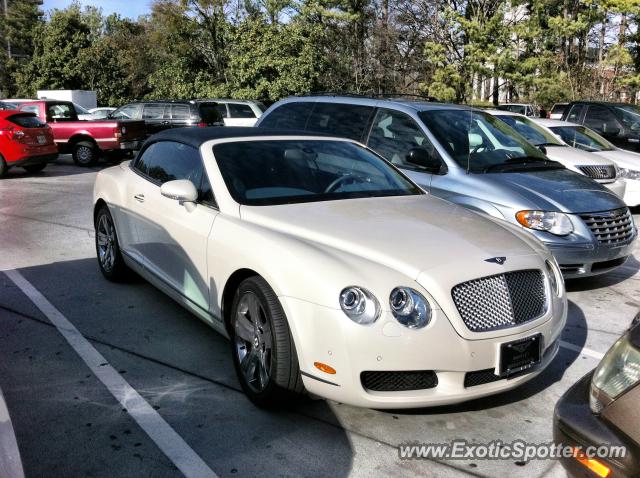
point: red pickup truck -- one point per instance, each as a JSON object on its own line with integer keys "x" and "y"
{"x": 87, "y": 141}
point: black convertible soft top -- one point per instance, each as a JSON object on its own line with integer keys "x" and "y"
{"x": 197, "y": 136}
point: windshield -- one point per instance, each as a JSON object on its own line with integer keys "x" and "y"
{"x": 534, "y": 133}
{"x": 630, "y": 116}
{"x": 268, "y": 172}
{"x": 582, "y": 138}
{"x": 481, "y": 143}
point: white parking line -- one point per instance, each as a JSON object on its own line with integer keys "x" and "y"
{"x": 171, "y": 444}
{"x": 10, "y": 463}
{"x": 582, "y": 350}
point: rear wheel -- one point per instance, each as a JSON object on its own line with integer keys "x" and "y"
{"x": 264, "y": 354}
{"x": 35, "y": 168}
{"x": 110, "y": 258}
{"x": 85, "y": 153}
{"x": 3, "y": 167}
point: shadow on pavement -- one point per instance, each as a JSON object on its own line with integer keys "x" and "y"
{"x": 178, "y": 364}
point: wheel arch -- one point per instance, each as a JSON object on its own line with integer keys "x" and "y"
{"x": 78, "y": 137}
{"x": 98, "y": 205}
{"x": 230, "y": 288}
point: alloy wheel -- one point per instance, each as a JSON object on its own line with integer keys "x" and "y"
{"x": 106, "y": 238}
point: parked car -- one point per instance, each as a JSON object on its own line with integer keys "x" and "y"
{"x": 87, "y": 141}
{"x": 165, "y": 114}
{"x": 470, "y": 158}
{"x": 586, "y": 139}
{"x": 239, "y": 112}
{"x": 602, "y": 409}
{"x": 521, "y": 108}
{"x": 556, "y": 110}
{"x": 329, "y": 269}
{"x": 101, "y": 112}
{"x": 25, "y": 141}
{"x": 617, "y": 122}
{"x": 8, "y": 106}
{"x": 599, "y": 169}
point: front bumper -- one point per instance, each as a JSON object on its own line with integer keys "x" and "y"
{"x": 574, "y": 425}
{"x": 326, "y": 335}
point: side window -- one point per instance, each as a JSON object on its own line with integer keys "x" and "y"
{"x": 167, "y": 161}
{"x": 288, "y": 116}
{"x": 127, "y": 112}
{"x": 222, "y": 109}
{"x": 60, "y": 111}
{"x": 31, "y": 109}
{"x": 600, "y": 118}
{"x": 339, "y": 119}
{"x": 153, "y": 111}
{"x": 180, "y": 112}
{"x": 394, "y": 134}
{"x": 239, "y": 110}
{"x": 575, "y": 113}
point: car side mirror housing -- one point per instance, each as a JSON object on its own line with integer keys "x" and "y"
{"x": 425, "y": 160}
{"x": 181, "y": 190}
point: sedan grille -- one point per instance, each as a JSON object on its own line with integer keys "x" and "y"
{"x": 599, "y": 172}
{"x": 500, "y": 301}
{"x": 610, "y": 227}
{"x": 399, "y": 381}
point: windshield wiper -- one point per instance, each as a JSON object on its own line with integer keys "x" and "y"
{"x": 524, "y": 163}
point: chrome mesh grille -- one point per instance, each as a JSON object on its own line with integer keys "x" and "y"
{"x": 605, "y": 171}
{"x": 500, "y": 301}
{"x": 610, "y": 227}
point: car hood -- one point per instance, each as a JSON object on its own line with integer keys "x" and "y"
{"x": 575, "y": 157}
{"x": 624, "y": 159}
{"x": 409, "y": 233}
{"x": 556, "y": 190}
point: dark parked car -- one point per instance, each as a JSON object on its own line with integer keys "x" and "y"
{"x": 165, "y": 114}
{"x": 618, "y": 122}
{"x": 602, "y": 409}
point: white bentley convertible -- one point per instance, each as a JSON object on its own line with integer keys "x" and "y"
{"x": 329, "y": 270}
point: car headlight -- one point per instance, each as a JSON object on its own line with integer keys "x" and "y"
{"x": 618, "y": 371}
{"x": 359, "y": 305}
{"x": 409, "y": 307}
{"x": 555, "y": 277}
{"x": 629, "y": 173}
{"x": 556, "y": 223}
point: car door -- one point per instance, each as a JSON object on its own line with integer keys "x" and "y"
{"x": 156, "y": 117}
{"x": 240, "y": 114}
{"x": 393, "y": 134}
{"x": 181, "y": 115}
{"x": 171, "y": 239}
{"x": 602, "y": 120}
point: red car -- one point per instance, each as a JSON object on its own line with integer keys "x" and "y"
{"x": 87, "y": 141}
{"x": 25, "y": 141}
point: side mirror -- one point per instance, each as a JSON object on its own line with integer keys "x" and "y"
{"x": 181, "y": 190}
{"x": 421, "y": 158}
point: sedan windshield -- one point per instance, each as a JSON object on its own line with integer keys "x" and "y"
{"x": 582, "y": 138}
{"x": 534, "y": 133}
{"x": 630, "y": 115}
{"x": 268, "y": 172}
{"x": 481, "y": 143}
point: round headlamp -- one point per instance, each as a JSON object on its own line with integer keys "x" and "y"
{"x": 409, "y": 307}
{"x": 359, "y": 305}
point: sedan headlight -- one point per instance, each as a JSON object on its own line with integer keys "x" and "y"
{"x": 556, "y": 223}
{"x": 409, "y": 307}
{"x": 617, "y": 373}
{"x": 359, "y": 305}
{"x": 629, "y": 173}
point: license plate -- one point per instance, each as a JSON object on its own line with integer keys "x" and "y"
{"x": 520, "y": 355}
{"x": 42, "y": 139}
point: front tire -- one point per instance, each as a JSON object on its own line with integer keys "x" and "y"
{"x": 85, "y": 153}
{"x": 35, "y": 168}
{"x": 264, "y": 354}
{"x": 110, "y": 258}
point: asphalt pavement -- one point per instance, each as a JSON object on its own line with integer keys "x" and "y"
{"x": 69, "y": 422}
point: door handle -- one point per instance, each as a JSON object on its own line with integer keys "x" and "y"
{"x": 139, "y": 197}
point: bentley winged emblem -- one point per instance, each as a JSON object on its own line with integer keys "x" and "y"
{"x": 497, "y": 260}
